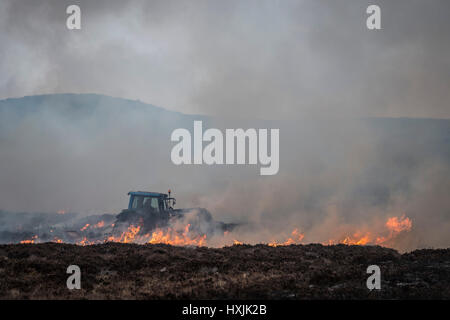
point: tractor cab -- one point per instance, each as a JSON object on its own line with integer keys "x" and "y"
{"x": 153, "y": 202}
{"x": 146, "y": 209}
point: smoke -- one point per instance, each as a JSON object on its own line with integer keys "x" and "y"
{"x": 337, "y": 178}
{"x": 37, "y": 227}
{"x": 348, "y": 178}
{"x": 278, "y": 59}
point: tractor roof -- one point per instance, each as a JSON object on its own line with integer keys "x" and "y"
{"x": 147, "y": 194}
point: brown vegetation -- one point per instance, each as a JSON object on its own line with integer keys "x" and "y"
{"x": 130, "y": 271}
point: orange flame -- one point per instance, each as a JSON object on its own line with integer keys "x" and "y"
{"x": 127, "y": 236}
{"x": 175, "y": 238}
{"x": 170, "y": 236}
{"x": 357, "y": 240}
{"x": 295, "y": 239}
{"x": 394, "y": 226}
{"x": 32, "y": 240}
{"x": 100, "y": 224}
{"x": 85, "y": 242}
{"x": 397, "y": 225}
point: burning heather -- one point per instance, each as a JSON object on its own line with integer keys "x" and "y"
{"x": 103, "y": 230}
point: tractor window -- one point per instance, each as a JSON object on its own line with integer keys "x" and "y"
{"x": 138, "y": 202}
{"x": 151, "y": 204}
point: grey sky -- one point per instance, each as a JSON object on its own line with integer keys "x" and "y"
{"x": 277, "y": 58}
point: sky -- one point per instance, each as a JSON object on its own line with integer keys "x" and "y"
{"x": 276, "y": 59}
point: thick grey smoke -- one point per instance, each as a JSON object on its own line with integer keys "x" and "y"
{"x": 274, "y": 59}
{"x": 83, "y": 153}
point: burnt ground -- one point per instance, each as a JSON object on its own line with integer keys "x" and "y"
{"x": 129, "y": 271}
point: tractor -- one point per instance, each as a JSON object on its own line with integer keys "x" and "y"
{"x": 152, "y": 210}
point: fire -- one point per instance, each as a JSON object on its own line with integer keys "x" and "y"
{"x": 296, "y": 237}
{"x": 357, "y": 240}
{"x": 394, "y": 226}
{"x": 169, "y": 236}
{"x": 397, "y": 225}
{"x": 61, "y": 212}
{"x": 175, "y": 238}
{"x": 85, "y": 242}
{"x": 32, "y": 240}
{"x": 127, "y": 236}
{"x": 100, "y": 224}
